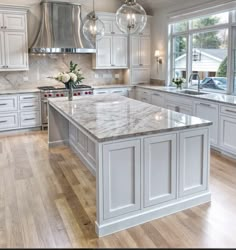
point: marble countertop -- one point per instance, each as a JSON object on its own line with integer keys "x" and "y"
{"x": 216, "y": 97}
{"x": 113, "y": 86}
{"x": 112, "y": 117}
{"x": 18, "y": 91}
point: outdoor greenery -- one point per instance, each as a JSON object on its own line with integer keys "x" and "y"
{"x": 222, "y": 71}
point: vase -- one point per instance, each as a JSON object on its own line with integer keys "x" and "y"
{"x": 179, "y": 87}
{"x": 69, "y": 86}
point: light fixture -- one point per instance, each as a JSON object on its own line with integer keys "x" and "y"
{"x": 131, "y": 17}
{"x": 157, "y": 56}
{"x": 93, "y": 27}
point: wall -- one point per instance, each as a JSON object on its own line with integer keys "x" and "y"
{"x": 42, "y": 67}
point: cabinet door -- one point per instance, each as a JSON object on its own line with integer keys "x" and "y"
{"x": 16, "y": 50}
{"x": 185, "y": 110}
{"x": 15, "y": 22}
{"x": 135, "y": 51}
{"x": 121, "y": 178}
{"x": 108, "y": 26}
{"x": 147, "y": 30}
{"x": 210, "y": 112}
{"x": 194, "y": 162}
{"x": 158, "y": 100}
{"x": 140, "y": 75}
{"x": 104, "y": 52}
{"x": 119, "y": 48}
{"x": 227, "y": 134}
{"x": 1, "y": 22}
{"x": 145, "y": 50}
{"x": 160, "y": 169}
{"x": 115, "y": 29}
{"x": 2, "y": 51}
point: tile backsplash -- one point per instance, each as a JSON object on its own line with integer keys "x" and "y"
{"x": 41, "y": 67}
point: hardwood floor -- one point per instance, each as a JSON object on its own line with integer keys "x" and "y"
{"x": 47, "y": 199}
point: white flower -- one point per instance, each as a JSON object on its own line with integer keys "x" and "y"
{"x": 65, "y": 78}
{"x": 73, "y": 77}
{"x": 59, "y": 77}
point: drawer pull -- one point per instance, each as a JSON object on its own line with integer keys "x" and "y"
{"x": 3, "y": 104}
{"x": 29, "y": 119}
{"x": 230, "y": 111}
{"x": 29, "y": 106}
{"x": 156, "y": 94}
{"x": 28, "y": 98}
{"x": 3, "y": 121}
{"x": 206, "y": 105}
{"x": 117, "y": 92}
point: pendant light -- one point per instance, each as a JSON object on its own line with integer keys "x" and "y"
{"x": 93, "y": 28}
{"x": 131, "y": 17}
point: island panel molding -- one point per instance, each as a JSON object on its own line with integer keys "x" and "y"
{"x": 125, "y": 197}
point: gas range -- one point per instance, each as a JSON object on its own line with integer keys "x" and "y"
{"x": 53, "y": 92}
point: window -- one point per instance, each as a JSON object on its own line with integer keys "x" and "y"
{"x": 200, "y": 45}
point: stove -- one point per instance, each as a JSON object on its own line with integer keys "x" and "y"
{"x": 55, "y": 92}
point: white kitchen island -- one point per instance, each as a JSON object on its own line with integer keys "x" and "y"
{"x": 149, "y": 162}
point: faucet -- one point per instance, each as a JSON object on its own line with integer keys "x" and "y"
{"x": 199, "y": 80}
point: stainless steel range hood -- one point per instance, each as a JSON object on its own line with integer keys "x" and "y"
{"x": 61, "y": 30}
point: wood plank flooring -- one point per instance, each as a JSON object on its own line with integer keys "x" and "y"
{"x": 47, "y": 199}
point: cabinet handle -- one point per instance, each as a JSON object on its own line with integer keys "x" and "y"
{"x": 3, "y": 104}
{"x": 112, "y": 32}
{"x": 29, "y": 119}
{"x": 117, "y": 91}
{"x": 29, "y": 106}
{"x": 28, "y": 98}
{"x": 206, "y": 105}
{"x": 3, "y": 121}
{"x": 230, "y": 111}
{"x": 156, "y": 94}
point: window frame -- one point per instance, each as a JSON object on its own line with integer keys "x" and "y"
{"x": 231, "y": 26}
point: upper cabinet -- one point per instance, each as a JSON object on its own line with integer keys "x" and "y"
{"x": 112, "y": 49}
{"x": 13, "y": 39}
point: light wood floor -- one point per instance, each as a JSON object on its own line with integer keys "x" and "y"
{"x": 47, "y": 199}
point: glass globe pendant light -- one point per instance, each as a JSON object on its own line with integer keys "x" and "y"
{"x": 131, "y": 17}
{"x": 93, "y": 28}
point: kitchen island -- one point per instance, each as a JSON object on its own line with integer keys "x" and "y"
{"x": 149, "y": 162}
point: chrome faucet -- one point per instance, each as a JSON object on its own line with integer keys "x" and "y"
{"x": 198, "y": 77}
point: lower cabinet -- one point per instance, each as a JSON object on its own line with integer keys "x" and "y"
{"x": 158, "y": 99}
{"x": 193, "y": 162}
{"x": 8, "y": 121}
{"x": 210, "y": 112}
{"x": 121, "y": 161}
{"x": 30, "y": 119}
{"x": 160, "y": 169}
{"x": 187, "y": 110}
{"x": 228, "y": 133}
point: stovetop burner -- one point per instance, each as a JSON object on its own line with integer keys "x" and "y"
{"x": 46, "y": 88}
{"x": 50, "y": 88}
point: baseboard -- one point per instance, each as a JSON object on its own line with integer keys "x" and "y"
{"x": 58, "y": 144}
{"x": 149, "y": 215}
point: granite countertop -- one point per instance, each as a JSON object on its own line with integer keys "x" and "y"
{"x": 216, "y": 97}
{"x": 112, "y": 117}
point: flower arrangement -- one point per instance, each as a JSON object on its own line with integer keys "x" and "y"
{"x": 178, "y": 82}
{"x": 71, "y": 78}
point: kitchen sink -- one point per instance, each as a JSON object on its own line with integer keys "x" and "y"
{"x": 191, "y": 92}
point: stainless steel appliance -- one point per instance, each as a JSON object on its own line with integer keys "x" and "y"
{"x": 52, "y": 92}
{"x": 61, "y": 29}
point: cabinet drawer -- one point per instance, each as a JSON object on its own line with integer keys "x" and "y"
{"x": 29, "y": 106}
{"x": 179, "y": 99}
{"x": 8, "y": 121}
{"x": 30, "y": 119}
{"x": 123, "y": 92}
{"x": 8, "y": 103}
{"x": 228, "y": 110}
{"x": 101, "y": 92}
{"x": 29, "y": 98}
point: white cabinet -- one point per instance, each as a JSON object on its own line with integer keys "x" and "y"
{"x": 210, "y": 112}
{"x": 14, "y": 21}
{"x": 121, "y": 161}
{"x": 111, "y": 53}
{"x": 228, "y": 128}
{"x": 158, "y": 99}
{"x": 140, "y": 51}
{"x": 179, "y": 104}
{"x": 140, "y": 75}
{"x": 15, "y": 50}
{"x": 143, "y": 96}
{"x": 110, "y": 26}
{"x": 120, "y": 91}
{"x": 8, "y": 121}
{"x": 119, "y": 51}
{"x": 193, "y": 165}
{"x": 13, "y": 40}
{"x": 160, "y": 169}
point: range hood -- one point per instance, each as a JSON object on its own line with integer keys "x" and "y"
{"x": 61, "y": 30}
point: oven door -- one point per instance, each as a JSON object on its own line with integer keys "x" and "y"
{"x": 44, "y": 110}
